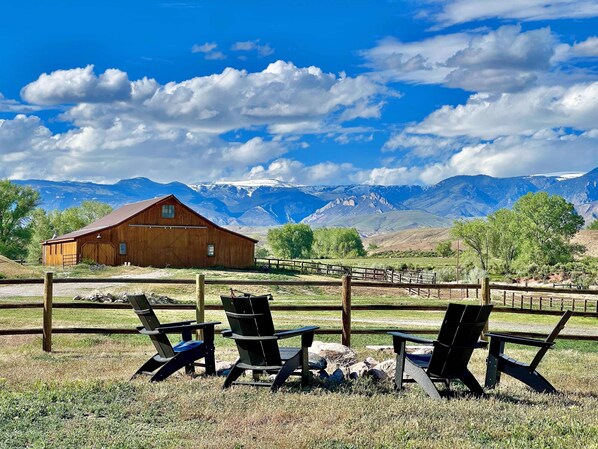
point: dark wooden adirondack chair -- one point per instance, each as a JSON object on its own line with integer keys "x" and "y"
{"x": 458, "y": 337}
{"x": 499, "y": 363}
{"x": 168, "y": 358}
{"x": 252, "y": 329}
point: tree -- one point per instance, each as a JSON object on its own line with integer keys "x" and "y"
{"x": 505, "y": 237}
{"x": 593, "y": 226}
{"x": 45, "y": 225}
{"x": 16, "y": 207}
{"x": 547, "y": 224}
{"x": 476, "y": 235}
{"x": 444, "y": 248}
{"x": 337, "y": 242}
{"x": 291, "y": 241}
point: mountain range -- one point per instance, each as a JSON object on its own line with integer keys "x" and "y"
{"x": 369, "y": 208}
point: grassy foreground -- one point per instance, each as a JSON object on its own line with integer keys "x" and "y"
{"x": 80, "y": 397}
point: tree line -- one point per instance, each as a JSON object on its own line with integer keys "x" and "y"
{"x": 537, "y": 230}
{"x": 24, "y": 225}
{"x": 295, "y": 241}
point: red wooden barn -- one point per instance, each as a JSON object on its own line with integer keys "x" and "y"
{"x": 159, "y": 232}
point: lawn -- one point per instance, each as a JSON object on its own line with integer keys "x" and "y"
{"x": 79, "y": 396}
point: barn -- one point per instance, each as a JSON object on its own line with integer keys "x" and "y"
{"x": 161, "y": 232}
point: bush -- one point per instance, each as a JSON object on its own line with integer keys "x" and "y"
{"x": 446, "y": 274}
{"x": 475, "y": 274}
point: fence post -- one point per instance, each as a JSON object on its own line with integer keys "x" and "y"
{"x": 47, "y": 318}
{"x": 200, "y": 302}
{"x": 485, "y": 300}
{"x": 346, "y": 313}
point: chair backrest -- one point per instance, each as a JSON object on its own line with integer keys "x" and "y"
{"x": 150, "y": 322}
{"x": 458, "y": 337}
{"x": 249, "y": 316}
{"x": 551, "y": 337}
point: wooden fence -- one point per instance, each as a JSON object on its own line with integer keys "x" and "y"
{"x": 488, "y": 293}
{"x": 362, "y": 273}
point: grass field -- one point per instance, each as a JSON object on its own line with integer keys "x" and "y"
{"x": 79, "y": 396}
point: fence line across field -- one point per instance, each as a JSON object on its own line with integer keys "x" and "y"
{"x": 504, "y": 298}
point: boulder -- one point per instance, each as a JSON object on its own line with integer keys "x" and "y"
{"x": 317, "y": 362}
{"x": 334, "y": 352}
{"x": 223, "y": 368}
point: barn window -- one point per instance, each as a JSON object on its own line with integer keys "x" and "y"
{"x": 211, "y": 251}
{"x": 122, "y": 249}
{"x": 168, "y": 211}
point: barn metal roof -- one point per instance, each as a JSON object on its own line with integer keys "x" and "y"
{"x": 123, "y": 214}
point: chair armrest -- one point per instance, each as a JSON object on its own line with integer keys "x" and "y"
{"x": 520, "y": 340}
{"x": 411, "y": 338}
{"x": 178, "y": 323}
{"x": 187, "y": 327}
{"x": 481, "y": 344}
{"x": 295, "y": 332}
{"x": 249, "y": 337}
{"x": 226, "y": 333}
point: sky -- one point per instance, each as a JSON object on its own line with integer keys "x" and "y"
{"x": 307, "y": 92}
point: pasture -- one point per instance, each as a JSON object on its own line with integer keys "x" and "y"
{"x": 80, "y": 396}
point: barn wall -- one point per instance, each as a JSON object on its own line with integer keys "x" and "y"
{"x": 175, "y": 247}
{"x": 53, "y": 253}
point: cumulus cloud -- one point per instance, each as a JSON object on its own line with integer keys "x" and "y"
{"x": 282, "y": 97}
{"x": 503, "y": 60}
{"x": 296, "y": 172}
{"x": 490, "y": 116}
{"x": 79, "y": 85}
{"x": 451, "y": 12}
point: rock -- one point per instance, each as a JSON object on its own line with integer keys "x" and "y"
{"x": 388, "y": 367}
{"x": 419, "y": 349}
{"x": 317, "y": 362}
{"x": 334, "y": 352}
{"x": 358, "y": 370}
{"x": 371, "y": 362}
{"x": 223, "y": 368}
{"x": 122, "y": 298}
{"x": 337, "y": 376}
{"x": 380, "y": 347}
{"x": 377, "y": 374}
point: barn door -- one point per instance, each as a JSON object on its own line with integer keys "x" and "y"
{"x": 102, "y": 253}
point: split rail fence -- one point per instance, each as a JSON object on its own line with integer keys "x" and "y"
{"x": 362, "y": 273}
{"x": 502, "y": 296}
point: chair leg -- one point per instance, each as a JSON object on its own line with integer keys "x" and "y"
{"x": 532, "y": 379}
{"x": 492, "y": 369}
{"x": 148, "y": 367}
{"x": 400, "y": 365}
{"x": 287, "y": 369}
{"x": 210, "y": 361}
{"x": 420, "y": 376}
{"x": 471, "y": 382}
{"x": 233, "y": 375}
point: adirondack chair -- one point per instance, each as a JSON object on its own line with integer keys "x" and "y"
{"x": 498, "y": 362}
{"x": 458, "y": 337}
{"x": 168, "y": 358}
{"x": 252, "y": 329}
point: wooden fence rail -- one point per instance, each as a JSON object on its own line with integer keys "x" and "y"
{"x": 489, "y": 292}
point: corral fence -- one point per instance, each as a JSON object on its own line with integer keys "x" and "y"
{"x": 489, "y": 293}
{"x": 361, "y": 273}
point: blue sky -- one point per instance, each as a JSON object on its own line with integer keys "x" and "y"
{"x": 384, "y": 92}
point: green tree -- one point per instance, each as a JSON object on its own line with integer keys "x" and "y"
{"x": 593, "y": 225}
{"x": 444, "y": 248}
{"x": 547, "y": 224}
{"x": 16, "y": 207}
{"x": 45, "y": 225}
{"x": 476, "y": 235}
{"x": 337, "y": 242}
{"x": 291, "y": 241}
{"x": 505, "y": 237}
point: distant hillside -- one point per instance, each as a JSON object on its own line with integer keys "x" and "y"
{"x": 392, "y": 221}
{"x": 370, "y": 208}
{"x": 411, "y": 239}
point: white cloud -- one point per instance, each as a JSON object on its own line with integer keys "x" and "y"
{"x": 209, "y": 50}
{"x": 388, "y": 176}
{"x": 502, "y": 60}
{"x": 206, "y": 47}
{"x": 262, "y": 50}
{"x": 491, "y": 116}
{"x": 296, "y": 172}
{"x": 78, "y": 86}
{"x": 452, "y": 12}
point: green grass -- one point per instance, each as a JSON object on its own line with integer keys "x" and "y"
{"x": 393, "y": 262}
{"x": 79, "y": 396}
